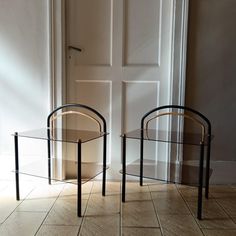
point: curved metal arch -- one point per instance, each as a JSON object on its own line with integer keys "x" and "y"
{"x": 54, "y": 117}
{"x": 178, "y": 107}
{"x": 179, "y": 114}
{"x": 79, "y": 106}
{"x": 79, "y": 150}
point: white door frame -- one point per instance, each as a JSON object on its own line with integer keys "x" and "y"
{"x": 179, "y": 54}
{"x": 57, "y": 54}
{"x": 178, "y": 57}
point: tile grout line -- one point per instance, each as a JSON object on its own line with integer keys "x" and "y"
{"x": 49, "y": 211}
{"x": 221, "y": 207}
{"x": 141, "y": 227}
{"x": 157, "y": 216}
{"x": 85, "y": 210}
{"x": 192, "y": 214}
{"x": 81, "y": 228}
{"x": 224, "y": 210}
{"x": 14, "y": 210}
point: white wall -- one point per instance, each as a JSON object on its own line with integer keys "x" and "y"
{"x": 24, "y": 69}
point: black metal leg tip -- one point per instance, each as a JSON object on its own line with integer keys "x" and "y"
{"x": 199, "y": 217}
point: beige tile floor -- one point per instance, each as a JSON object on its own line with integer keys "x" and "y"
{"x": 154, "y": 209}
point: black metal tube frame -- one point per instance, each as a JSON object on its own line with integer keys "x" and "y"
{"x": 123, "y": 166}
{"x": 79, "y": 180}
{"x": 200, "y": 184}
{"x": 201, "y": 161}
{"x": 79, "y": 171}
{"x": 79, "y": 150}
{"x": 17, "y": 166}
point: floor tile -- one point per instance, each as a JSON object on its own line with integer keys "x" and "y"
{"x": 234, "y": 219}
{"x": 137, "y": 196}
{"x": 71, "y": 190}
{"x": 7, "y": 207}
{"x": 184, "y": 187}
{"x": 139, "y": 214}
{"x": 175, "y": 225}
{"x": 210, "y": 209}
{"x": 8, "y": 201}
{"x": 169, "y": 203}
{"x": 58, "y": 230}
{"x": 222, "y": 189}
{"x": 87, "y": 187}
{"x": 161, "y": 187}
{"x": 52, "y": 210}
{"x": 167, "y": 194}
{"x": 217, "y": 232}
{"x": 229, "y": 205}
{"x": 111, "y": 187}
{"x": 213, "y": 216}
{"x": 36, "y": 205}
{"x": 46, "y": 191}
{"x": 130, "y": 231}
{"x": 101, "y": 225}
{"x": 189, "y": 194}
{"x": 22, "y": 224}
{"x": 64, "y": 212}
{"x": 102, "y": 216}
{"x": 10, "y": 192}
{"x": 132, "y": 187}
{"x": 223, "y": 195}
{"x": 103, "y": 205}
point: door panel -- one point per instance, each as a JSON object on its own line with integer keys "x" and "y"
{"x": 124, "y": 67}
{"x": 89, "y": 28}
{"x": 138, "y": 98}
{"x": 142, "y": 33}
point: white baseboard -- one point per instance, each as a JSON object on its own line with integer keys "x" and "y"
{"x": 224, "y": 172}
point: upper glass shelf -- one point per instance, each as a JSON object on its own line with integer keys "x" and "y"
{"x": 63, "y": 135}
{"x": 168, "y": 137}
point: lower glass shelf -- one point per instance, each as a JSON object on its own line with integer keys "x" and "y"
{"x": 168, "y": 172}
{"x": 40, "y": 169}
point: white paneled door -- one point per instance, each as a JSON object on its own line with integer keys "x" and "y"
{"x": 124, "y": 67}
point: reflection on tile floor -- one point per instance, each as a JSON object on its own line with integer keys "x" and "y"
{"x": 154, "y": 209}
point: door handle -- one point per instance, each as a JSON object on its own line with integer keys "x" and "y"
{"x": 75, "y": 48}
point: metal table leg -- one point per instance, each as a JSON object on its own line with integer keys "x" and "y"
{"x": 208, "y": 167}
{"x": 49, "y": 161}
{"x": 123, "y": 167}
{"x": 17, "y": 167}
{"x": 199, "y": 211}
{"x": 141, "y": 160}
{"x": 104, "y": 165}
{"x": 79, "y": 192}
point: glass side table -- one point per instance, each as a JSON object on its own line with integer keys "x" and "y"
{"x": 85, "y": 170}
{"x": 151, "y": 169}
